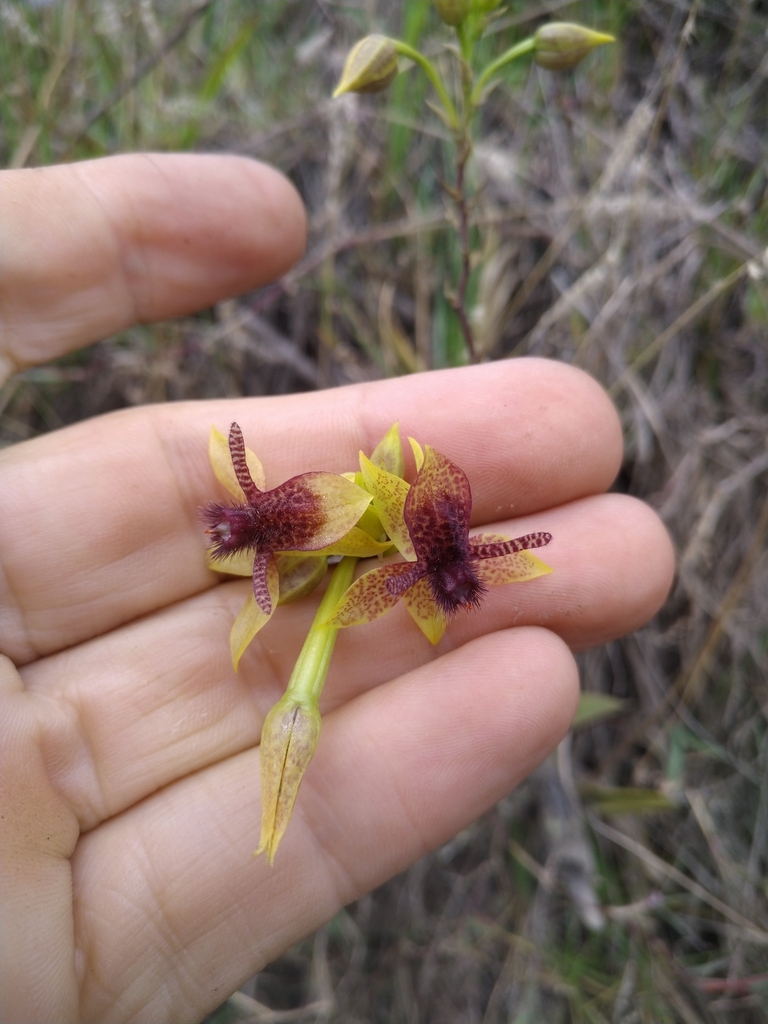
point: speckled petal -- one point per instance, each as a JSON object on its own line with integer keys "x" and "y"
{"x": 514, "y": 568}
{"x": 389, "y": 494}
{"x": 266, "y": 582}
{"x": 374, "y": 593}
{"x": 486, "y": 545}
{"x": 438, "y": 508}
{"x": 252, "y": 618}
{"x": 424, "y": 611}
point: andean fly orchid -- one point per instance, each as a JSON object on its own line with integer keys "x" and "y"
{"x": 313, "y": 512}
{"x": 282, "y": 537}
{"x": 446, "y": 569}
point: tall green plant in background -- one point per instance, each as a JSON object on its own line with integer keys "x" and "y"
{"x": 372, "y": 65}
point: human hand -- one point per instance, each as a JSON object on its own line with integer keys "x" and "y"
{"x": 130, "y": 759}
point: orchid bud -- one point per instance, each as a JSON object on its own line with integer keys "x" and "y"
{"x": 370, "y": 66}
{"x": 288, "y": 740}
{"x": 452, "y": 12}
{"x": 563, "y": 44}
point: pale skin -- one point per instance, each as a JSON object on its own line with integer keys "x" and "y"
{"x": 130, "y": 761}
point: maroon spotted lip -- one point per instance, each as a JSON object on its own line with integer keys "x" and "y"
{"x": 306, "y": 513}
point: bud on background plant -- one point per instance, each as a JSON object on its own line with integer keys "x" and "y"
{"x": 370, "y": 66}
{"x": 452, "y": 12}
{"x": 561, "y": 44}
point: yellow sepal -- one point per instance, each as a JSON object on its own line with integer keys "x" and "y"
{"x": 221, "y": 461}
{"x": 389, "y": 494}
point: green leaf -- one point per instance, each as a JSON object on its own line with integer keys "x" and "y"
{"x": 625, "y": 800}
{"x": 594, "y": 707}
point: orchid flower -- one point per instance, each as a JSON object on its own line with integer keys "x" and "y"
{"x": 291, "y": 730}
{"x": 446, "y": 569}
{"x": 266, "y": 532}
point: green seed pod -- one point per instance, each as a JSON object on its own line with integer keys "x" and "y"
{"x": 288, "y": 740}
{"x": 562, "y": 44}
{"x": 370, "y": 67}
{"x": 452, "y": 12}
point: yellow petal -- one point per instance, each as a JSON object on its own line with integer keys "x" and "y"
{"x": 418, "y": 454}
{"x": 371, "y": 595}
{"x": 221, "y": 461}
{"x": 514, "y": 568}
{"x": 369, "y": 522}
{"x": 388, "y": 453}
{"x": 389, "y": 494}
{"x": 251, "y": 618}
{"x": 342, "y": 504}
{"x": 299, "y": 574}
{"x": 239, "y": 564}
{"x": 424, "y": 611}
{"x": 357, "y": 543}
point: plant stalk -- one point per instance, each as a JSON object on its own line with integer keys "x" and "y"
{"x": 311, "y": 668}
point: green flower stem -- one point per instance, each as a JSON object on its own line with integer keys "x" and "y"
{"x": 311, "y": 668}
{"x": 466, "y": 43}
{"x": 519, "y": 50}
{"x": 429, "y": 70}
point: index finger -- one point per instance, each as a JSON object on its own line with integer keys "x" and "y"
{"x": 99, "y": 521}
{"x": 91, "y": 248}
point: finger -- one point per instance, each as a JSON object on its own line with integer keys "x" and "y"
{"x": 99, "y": 521}
{"x": 91, "y": 248}
{"x": 173, "y": 912}
{"x": 170, "y": 702}
{"x": 39, "y": 834}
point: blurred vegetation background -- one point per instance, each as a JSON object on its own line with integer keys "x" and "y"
{"x": 621, "y": 225}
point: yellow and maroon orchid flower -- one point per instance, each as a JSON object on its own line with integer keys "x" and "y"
{"x": 446, "y": 569}
{"x": 292, "y": 728}
{"x": 266, "y": 532}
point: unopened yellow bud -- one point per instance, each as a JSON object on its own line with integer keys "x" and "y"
{"x": 370, "y": 67}
{"x": 452, "y": 12}
{"x": 288, "y": 740}
{"x": 563, "y": 44}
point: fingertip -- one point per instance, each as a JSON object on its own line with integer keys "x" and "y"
{"x": 540, "y": 709}
{"x": 283, "y": 229}
{"x": 660, "y": 562}
{"x": 596, "y": 442}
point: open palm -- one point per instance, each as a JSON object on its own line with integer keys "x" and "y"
{"x": 130, "y": 746}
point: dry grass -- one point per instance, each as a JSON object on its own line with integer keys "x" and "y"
{"x": 622, "y": 225}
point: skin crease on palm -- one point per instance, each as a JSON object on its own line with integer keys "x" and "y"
{"x": 130, "y": 747}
